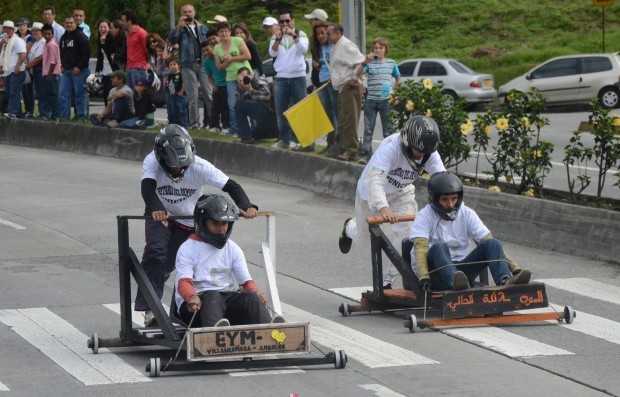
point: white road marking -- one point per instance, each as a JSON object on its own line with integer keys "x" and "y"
{"x": 493, "y": 338}
{"x": 370, "y": 351}
{"x": 381, "y": 391}
{"x": 586, "y": 287}
{"x": 268, "y": 372}
{"x": 136, "y": 317}
{"x": 11, "y": 224}
{"x": 4, "y": 387}
{"x": 66, "y": 346}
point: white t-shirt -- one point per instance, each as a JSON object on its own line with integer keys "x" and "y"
{"x": 36, "y": 50}
{"x": 211, "y": 269}
{"x": 16, "y": 47}
{"x": 389, "y": 157}
{"x": 457, "y": 234}
{"x": 179, "y": 198}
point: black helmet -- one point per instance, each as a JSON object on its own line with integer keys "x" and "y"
{"x": 218, "y": 208}
{"x": 420, "y": 133}
{"x": 443, "y": 183}
{"x": 174, "y": 149}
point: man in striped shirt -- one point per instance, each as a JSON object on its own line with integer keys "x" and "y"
{"x": 383, "y": 76}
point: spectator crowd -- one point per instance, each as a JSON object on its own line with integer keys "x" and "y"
{"x": 213, "y": 69}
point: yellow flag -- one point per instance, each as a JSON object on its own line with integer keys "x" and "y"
{"x": 308, "y": 119}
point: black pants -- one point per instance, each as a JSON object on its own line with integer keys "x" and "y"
{"x": 239, "y": 308}
{"x": 106, "y": 82}
{"x": 160, "y": 252}
{"x": 219, "y": 113}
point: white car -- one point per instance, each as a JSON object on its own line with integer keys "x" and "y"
{"x": 456, "y": 79}
{"x": 573, "y": 79}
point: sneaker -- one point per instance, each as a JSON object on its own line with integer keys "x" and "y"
{"x": 304, "y": 149}
{"x": 344, "y": 242}
{"x": 347, "y": 156}
{"x": 281, "y": 145}
{"x": 294, "y": 146}
{"x": 387, "y": 286}
{"x": 225, "y": 131}
{"x": 150, "y": 321}
{"x": 112, "y": 124}
{"x": 363, "y": 160}
{"x": 94, "y": 118}
{"x": 141, "y": 123}
{"x": 277, "y": 319}
{"x": 522, "y": 276}
{"x": 222, "y": 322}
{"x": 460, "y": 281}
{"x": 248, "y": 141}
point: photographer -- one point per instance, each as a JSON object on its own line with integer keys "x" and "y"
{"x": 190, "y": 35}
{"x": 255, "y": 116}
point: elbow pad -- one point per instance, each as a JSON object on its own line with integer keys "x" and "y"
{"x": 421, "y": 256}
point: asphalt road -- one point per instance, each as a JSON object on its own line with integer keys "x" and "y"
{"x": 58, "y": 270}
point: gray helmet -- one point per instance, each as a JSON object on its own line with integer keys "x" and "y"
{"x": 174, "y": 150}
{"x": 420, "y": 133}
{"x": 443, "y": 183}
{"x": 218, "y": 208}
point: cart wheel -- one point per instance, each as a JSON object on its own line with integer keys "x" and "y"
{"x": 340, "y": 359}
{"x": 411, "y": 323}
{"x": 93, "y": 343}
{"x": 344, "y": 309}
{"x": 569, "y": 314}
{"x": 153, "y": 367}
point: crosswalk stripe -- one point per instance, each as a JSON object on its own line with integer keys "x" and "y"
{"x": 369, "y": 351}
{"x": 4, "y": 387}
{"x": 136, "y": 317}
{"x": 380, "y": 390}
{"x": 267, "y": 372}
{"x": 66, "y": 345}
{"x": 492, "y": 338}
{"x": 586, "y": 287}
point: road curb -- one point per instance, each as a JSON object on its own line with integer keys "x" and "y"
{"x": 566, "y": 228}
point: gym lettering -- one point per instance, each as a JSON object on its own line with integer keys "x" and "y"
{"x": 406, "y": 177}
{"x": 174, "y": 195}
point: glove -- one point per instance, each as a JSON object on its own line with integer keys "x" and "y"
{"x": 425, "y": 284}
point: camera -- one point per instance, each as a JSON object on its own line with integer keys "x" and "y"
{"x": 188, "y": 19}
{"x": 247, "y": 80}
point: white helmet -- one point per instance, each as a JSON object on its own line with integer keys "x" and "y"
{"x": 94, "y": 84}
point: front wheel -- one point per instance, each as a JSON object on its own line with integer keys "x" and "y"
{"x": 449, "y": 98}
{"x": 609, "y": 97}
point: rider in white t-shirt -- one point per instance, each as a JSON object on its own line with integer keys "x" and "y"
{"x": 448, "y": 226}
{"x": 386, "y": 184}
{"x": 172, "y": 181}
{"x": 212, "y": 276}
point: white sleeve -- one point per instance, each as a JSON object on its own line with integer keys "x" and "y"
{"x": 211, "y": 175}
{"x": 184, "y": 263}
{"x": 476, "y": 229}
{"x": 272, "y": 53}
{"x": 150, "y": 167}
{"x": 239, "y": 265}
{"x": 423, "y": 224}
{"x": 434, "y": 164}
{"x": 376, "y": 192}
{"x": 302, "y": 44}
{"x": 20, "y": 46}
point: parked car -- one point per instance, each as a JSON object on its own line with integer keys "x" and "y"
{"x": 573, "y": 79}
{"x": 456, "y": 79}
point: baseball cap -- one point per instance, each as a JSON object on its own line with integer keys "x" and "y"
{"x": 317, "y": 13}
{"x": 218, "y": 19}
{"x": 270, "y": 21}
{"x": 8, "y": 24}
{"x": 37, "y": 26}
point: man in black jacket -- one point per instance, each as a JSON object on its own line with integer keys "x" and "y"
{"x": 74, "y": 56}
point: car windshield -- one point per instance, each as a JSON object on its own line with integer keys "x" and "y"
{"x": 459, "y": 67}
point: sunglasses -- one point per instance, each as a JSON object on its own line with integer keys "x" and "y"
{"x": 283, "y": 21}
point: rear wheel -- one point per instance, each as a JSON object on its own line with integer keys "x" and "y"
{"x": 450, "y": 97}
{"x": 609, "y": 97}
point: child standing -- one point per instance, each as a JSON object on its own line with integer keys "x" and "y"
{"x": 177, "y": 102}
{"x": 217, "y": 77}
{"x": 383, "y": 76}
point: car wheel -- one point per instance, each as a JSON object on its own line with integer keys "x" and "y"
{"x": 450, "y": 98}
{"x": 609, "y": 97}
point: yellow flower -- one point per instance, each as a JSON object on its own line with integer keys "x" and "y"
{"x": 616, "y": 122}
{"x": 427, "y": 83}
{"x": 467, "y": 127}
{"x": 429, "y": 113}
{"x": 494, "y": 189}
{"x": 391, "y": 99}
{"x": 410, "y": 106}
{"x": 488, "y": 130}
{"x": 529, "y": 193}
{"x": 525, "y": 122}
{"x": 501, "y": 123}
{"x": 537, "y": 154}
{"x": 508, "y": 178}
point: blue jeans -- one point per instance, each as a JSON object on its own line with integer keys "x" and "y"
{"x": 487, "y": 250}
{"x": 329, "y": 99}
{"x": 177, "y": 110}
{"x": 134, "y": 75}
{"x": 13, "y": 88}
{"x": 289, "y": 91}
{"x": 131, "y": 123}
{"x": 255, "y": 120}
{"x": 73, "y": 86}
{"x": 48, "y": 99}
{"x": 231, "y": 93}
{"x": 371, "y": 108}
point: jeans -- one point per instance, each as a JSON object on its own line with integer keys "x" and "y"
{"x": 196, "y": 81}
{"x": 160, "y": 252}
{"x": 134, "y": 75}
{"x": 177, "y": 110}
{"x": 231, "y": 93}
{"x": 28, "y": 94}
{"x": 488, "y": 250}
{"x": 255, "y": 120}
{"x": 329, "y": 99}
{"x": 13, "y": 88}
{"x": 48, "y": 101}
{"x": 132, "y": 123}
{"x": 73, "y": 86}
{"x": 371, "y": 108}
{"x": 238, "y": 307}
{"x": 121, "y": 109}
{"x": 288, "y": 91}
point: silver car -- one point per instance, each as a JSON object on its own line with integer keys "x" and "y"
{"x": 456, "y": 79}
{"x": 573, "y": 79}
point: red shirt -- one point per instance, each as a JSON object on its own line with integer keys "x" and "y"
{"x": 137, "y": 57}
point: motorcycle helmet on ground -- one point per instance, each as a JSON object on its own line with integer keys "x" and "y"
{"x": 94, "y": 85}
{"x": 420, "y": 133}
{"x": 441, "y": 184}
{"x": 217, "y": 208}
{"x": 174, "y": 150}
